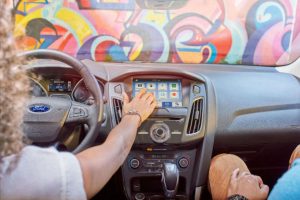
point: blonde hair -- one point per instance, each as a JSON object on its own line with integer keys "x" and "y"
{"x": 14, "y": 87}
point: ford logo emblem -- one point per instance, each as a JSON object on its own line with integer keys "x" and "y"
{"x": 39, "y": 108}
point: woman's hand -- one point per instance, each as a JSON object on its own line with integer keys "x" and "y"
{"x": 247, "y": 185}
{"x": 143, "y": 103}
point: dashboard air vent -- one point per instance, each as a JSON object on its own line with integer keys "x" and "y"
{"x": 118, "y": 105}
{"x": 195, "y": 119}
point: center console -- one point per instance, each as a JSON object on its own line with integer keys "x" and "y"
{"x": 164, "y": 157}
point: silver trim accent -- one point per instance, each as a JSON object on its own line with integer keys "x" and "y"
{"x": 143, "y": 133}
{"x": 198, "y": 192}
{"x": 176, "y": 133}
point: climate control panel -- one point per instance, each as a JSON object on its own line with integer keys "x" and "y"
{"x": 153, "y": 163}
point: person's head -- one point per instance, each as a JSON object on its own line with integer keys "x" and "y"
{"x": 14, "y": 87}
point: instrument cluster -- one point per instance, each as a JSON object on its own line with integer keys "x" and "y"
{"x": 73, "y": 88}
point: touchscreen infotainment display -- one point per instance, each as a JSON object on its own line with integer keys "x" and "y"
{"x": 168, "y": 93}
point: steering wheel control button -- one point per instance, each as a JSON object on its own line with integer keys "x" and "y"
{"x": 183, "y": 162}
{"x": 196, "y": 89}
{"x": 134, "y": 163}
{"x": 160, "y": 132}
{"x": 77, "y": 112}
{"x": 118, "y": 89}
{"x": 139, "y": 196}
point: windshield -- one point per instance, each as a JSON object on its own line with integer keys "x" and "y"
{"x": 169, "y": 31}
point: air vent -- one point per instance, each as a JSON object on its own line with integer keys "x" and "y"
{"x": 195, "y": 120}
{"x": 118, "y": 105}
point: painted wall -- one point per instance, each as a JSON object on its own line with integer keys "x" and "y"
{"x": 251, "y": 32}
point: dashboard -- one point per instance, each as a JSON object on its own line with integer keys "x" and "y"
{"x": 202, "y": 110}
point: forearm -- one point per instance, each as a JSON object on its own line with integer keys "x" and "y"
{"x": 99, "y": 163}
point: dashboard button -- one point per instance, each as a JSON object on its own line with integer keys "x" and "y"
{"x": 118, "y": 89}
{"x": 196, "y": 89}
{"x": 183, "y": 162}
{"x": 139, "y": 196}
{"x": 134, "y": 163}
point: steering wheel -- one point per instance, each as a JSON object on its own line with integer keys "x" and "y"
{"x": 45, "y": 117}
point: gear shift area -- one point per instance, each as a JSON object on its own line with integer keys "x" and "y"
{"x": 159, "y": 175}
{"x": 170, "y": 180}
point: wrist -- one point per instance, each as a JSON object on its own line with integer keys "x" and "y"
{"x": 132, "y": 119}
{"x": 134, "y": 113}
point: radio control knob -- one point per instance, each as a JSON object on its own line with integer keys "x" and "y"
{"x": 134, "y": 163}
{"x": 160, "y": 132}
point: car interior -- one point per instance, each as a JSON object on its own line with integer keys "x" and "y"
{"x": 205, "y": 108}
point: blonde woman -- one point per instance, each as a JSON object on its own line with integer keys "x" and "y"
{"x": 28, "y": 172}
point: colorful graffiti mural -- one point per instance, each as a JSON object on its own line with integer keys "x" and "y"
{"x": 253, "y": 32}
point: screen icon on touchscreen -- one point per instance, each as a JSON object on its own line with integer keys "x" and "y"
{"x": 162, "y": 86}
{"x": 162, "y": 95}
{"x": 151, "y": 86}
{"x": 174, "y": 95}
{"x": 174, "y": 86}
{"x": 139, "y": 85}
{"x": 166, "y": 104}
